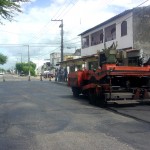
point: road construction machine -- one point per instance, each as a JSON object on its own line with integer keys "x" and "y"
{"x": 113, "y": 81}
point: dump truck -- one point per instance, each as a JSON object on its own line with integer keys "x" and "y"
{"x": 113, "y": 81}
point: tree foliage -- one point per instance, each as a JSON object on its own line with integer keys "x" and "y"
{"x": 9, "y": 8}
{"x": 24, "y": 67}
{"x": 3, "y": 59}
{"x": 2, "y": 70}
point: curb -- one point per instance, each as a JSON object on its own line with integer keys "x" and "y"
{"x": 62, "y": 83}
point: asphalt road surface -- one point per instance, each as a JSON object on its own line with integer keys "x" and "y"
{"x": 43, "y": 115}
{"x": 10, "y": 77}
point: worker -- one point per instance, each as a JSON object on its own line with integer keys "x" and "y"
{"x": 65, "y": 74}
{"x": 99, "y": 68}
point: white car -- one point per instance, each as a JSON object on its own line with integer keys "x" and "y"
{"x": 1, "y": 73}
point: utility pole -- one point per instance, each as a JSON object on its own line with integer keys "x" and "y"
{"x": 62, "y": 43}
{"x": 21, "y": 57}
{"x": 29, "y": 62}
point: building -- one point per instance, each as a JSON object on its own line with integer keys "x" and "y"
{"x": 55, "y": 58}
{"x": 45, "y": 67}
{"x": 130, "y": 29}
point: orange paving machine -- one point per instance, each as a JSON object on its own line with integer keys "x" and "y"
{"x": 112, "y": 81}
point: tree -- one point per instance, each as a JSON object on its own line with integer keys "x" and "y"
{"x": 2, "y": 70}
{"x": 8, "y": 8}
{"x": 3, "y": 59}
{"x": 24, "y": 67}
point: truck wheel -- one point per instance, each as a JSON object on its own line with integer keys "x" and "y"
{"x": 92, "y": 97}
{"x": 92, "y": 80}
{"x": 76, "y": 91}
{"x": 101, "y": 101}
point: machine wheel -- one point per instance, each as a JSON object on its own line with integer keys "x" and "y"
{"x": 92, "y": 97}
{"x": 76, "y": 91}
{"x": 92, "y": 80}
{"x": 101, "y": 101}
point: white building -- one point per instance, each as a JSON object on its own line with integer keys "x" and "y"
{"x": 55, "y": 58}
{"x": 130, "y": 29}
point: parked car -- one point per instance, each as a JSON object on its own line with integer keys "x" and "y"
{"x": 48, "y": 75}
{"x": 22, "y": 74}
{"x": 1, "y": 73}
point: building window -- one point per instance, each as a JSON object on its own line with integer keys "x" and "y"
{"x": 124, "y": 28}
{"x": 85, "y": 42}
{"x": 101, "y": 38}
{"x": 113, "y": 33}
{"x": 110, "y": 33}
{"x": 96, "y": 38}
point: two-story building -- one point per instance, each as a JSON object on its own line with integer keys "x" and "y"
{"x": 130, "y": 29}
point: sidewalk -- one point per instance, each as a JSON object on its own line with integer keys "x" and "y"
{"x": 63, "y": 83}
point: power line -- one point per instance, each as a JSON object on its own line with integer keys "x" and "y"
{"x": 69, "y": 9}
{"x": 29, "y": 45}
{"x": 41, "y": 31}
{"x": 37, "y": 35}
{"x": 72, "y": 39}
{"x": 142, "y": 3}
{"x": 137, "y": 11}
{"x": 54, "y": 17}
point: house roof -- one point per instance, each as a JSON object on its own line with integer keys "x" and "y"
{"x": 107, "y": 21}
{"x": 79, "y": 60}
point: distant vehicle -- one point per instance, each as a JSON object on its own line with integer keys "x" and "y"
{"x": 1, "y": 73}
{"x": 22, "y": 74}
{"x": 47, "y": 74}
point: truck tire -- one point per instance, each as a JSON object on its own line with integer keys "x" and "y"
{"x": 101, "y": 101}
{"x": 92, "y": 80}
{"x": 76, "y": 91}
{"x": 92, "y": 97}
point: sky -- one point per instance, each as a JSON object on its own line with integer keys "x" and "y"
{"x": 34, "y": 28}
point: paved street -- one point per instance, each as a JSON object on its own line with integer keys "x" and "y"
{"x": 43, "y": 115}
{"x": 9, "y": 77}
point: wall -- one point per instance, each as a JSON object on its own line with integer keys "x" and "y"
{"x": 125, "y": 41}
{"x": 141, "y": 28}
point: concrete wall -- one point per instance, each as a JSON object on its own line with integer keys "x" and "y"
{"x": 127, "y": 40}
{"x": 141, "y": 28}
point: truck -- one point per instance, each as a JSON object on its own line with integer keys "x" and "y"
{"x": 113, "y": 81}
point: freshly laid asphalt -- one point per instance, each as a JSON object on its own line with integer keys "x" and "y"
{"x": 43, "y": 115}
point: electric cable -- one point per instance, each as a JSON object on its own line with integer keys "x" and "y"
{"x": 37, "y": 35}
